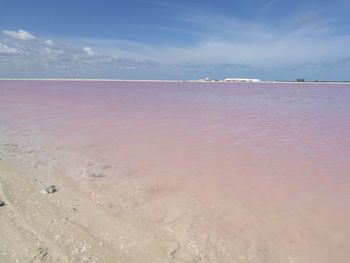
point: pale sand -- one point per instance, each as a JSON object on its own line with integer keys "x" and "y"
{"x": 69, "y": 225}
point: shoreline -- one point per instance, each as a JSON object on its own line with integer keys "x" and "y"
{"x": 173, "y": 81}
{"x": 71, "y": 224}
{"x": 173, "y": 174}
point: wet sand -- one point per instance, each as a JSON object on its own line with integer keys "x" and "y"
{"x": 182, "y": 172}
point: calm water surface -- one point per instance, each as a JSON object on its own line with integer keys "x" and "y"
{"x": 269, "y": 163}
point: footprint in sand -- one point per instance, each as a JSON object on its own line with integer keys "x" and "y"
{"x": 12, "y": 147}
{"x": 40, "y": 255}
{"x": 38, "y": 181}
{"x": 97, "y": 175}
{"x": 105, "y": 167}
{"x": 37, "y": 164}
{"x": 92, "y": 170}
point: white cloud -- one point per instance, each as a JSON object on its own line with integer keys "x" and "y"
{"x": 49, "y": 42}
{"x": 53, "y": 52}
{"x": 20, "y": 34}
{"x": 5, "y": 50}
{"x": 41, "y": 59}
{"x": 89, "y": 51}
{"x": 222, "y": 44}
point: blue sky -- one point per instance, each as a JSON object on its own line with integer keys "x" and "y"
{"x": 154, "y": 39}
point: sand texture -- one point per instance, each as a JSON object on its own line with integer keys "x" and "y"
{"x": 68, "y": 225}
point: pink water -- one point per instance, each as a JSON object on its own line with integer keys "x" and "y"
{"x": 268, "y": 164}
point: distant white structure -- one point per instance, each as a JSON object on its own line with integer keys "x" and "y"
{"x": 207, "y": 79}
{"x": 241, "y": 80}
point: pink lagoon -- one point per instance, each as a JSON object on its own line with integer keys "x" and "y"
{"x": 195, "y": 171}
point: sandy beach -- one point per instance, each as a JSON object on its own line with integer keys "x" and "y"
{"x": 162, "y": 172}
{"x": 69, "y": 225}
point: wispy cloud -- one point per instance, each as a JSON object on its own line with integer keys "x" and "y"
{"x": 245, "y": 42}
{"x": 266, "y": 6}
{"x": 20, "y": 34}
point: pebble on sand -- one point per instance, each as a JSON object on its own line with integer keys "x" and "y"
{"x": 50, "y": 190}
{"x": 2, "y": 203}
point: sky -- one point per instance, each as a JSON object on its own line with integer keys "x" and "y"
{"x": 193, "y": 39}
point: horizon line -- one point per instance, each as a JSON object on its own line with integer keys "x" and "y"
{"x": 179, "y": 80}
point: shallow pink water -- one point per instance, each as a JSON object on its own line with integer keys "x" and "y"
{"x": 269, "y": 162}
